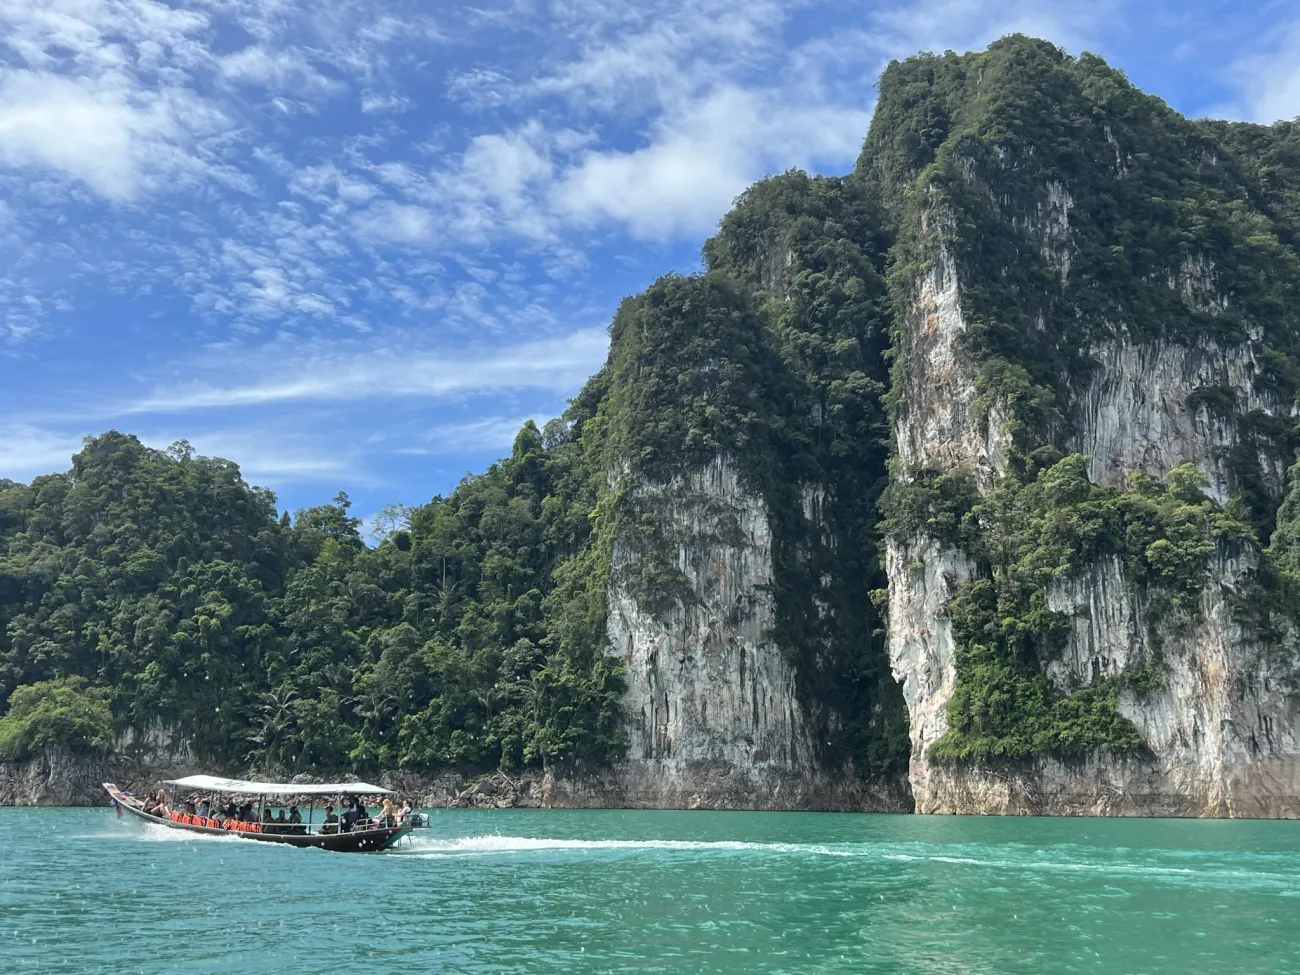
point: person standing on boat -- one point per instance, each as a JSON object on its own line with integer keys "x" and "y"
{"x": 351, "y": 814}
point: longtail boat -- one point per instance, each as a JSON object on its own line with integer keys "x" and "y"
{"x": 365, "y": 836}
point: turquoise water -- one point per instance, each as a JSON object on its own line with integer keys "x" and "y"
{"x": 551, "y": 891}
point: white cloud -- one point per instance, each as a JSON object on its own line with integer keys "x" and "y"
{"x": 277, "y": 374}
{"x": 99, "y": 131}
{"x": 482, "y": 88}
{"x": 373, "y": 102}
{"x": 99, "y": 92}
{"x": 398, "y": 223}
{"x": 27, "y": 451}
{"x": 648, "y": 55}
{"x": 284, "y": 70}
{"x": 697, "y": 162}
{"x": 1268, "y": 80}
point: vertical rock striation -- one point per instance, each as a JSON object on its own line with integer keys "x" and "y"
{"x": 713, "y": 715}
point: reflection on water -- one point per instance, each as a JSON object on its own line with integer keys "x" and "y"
{"x": 604, "y": 891}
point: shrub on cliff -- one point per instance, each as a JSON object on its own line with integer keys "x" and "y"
{"x": 63, "y": 712}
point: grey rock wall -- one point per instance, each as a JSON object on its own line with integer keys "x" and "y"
{"x": 714, "y": 718}
{"x": 1222, "y": 733}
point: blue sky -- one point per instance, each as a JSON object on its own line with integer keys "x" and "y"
{"x": 355, "y": 245}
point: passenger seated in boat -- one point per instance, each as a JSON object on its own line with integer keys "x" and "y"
{"x": 159, "y": 806}
{"x": 404, "y": 814}
{"x": 294, "y": 815}
{"x": 266, "y": 815}
{"x": 388, "y": 816}
{"x": 280, "y": 818}
{"x": 331, "y": 821}
{"x": 205, "y": 809}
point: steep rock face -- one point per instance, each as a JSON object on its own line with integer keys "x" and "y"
{"x": 935, "y": 428}
{"x": 708, "y": 685}
{"x": 714, "y": 718}
{"x": 1016, "y": 331}
{"x": 1139, "y": 413}
{"x": 922, "y": 575}
{"x": 1220, "y": 731}
{"x": 55, "y": 778}
{"x": 141, "y": 760}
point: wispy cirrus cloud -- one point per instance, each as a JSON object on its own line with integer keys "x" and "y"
{"x": 276, "y": 374}
{"x": 495, "y": 432}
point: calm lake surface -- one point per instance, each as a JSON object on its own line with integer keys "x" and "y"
{"x": 560, "y": 891}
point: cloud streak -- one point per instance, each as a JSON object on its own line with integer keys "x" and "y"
{"x": 558, "y": 365}
{"x": 1268, "y": 78}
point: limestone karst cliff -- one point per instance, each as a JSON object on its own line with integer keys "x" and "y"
{"x": 1092, "y": 326}
{"x": 964, "y": 482}
{"x": 1081, "y": 271}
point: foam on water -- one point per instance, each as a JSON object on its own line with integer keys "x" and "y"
{"x": 1032, "y": 860}
{"x": 153, "y": 833}
{"x": 487, "y": 844}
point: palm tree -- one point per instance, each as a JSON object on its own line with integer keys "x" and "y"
{"x": 274, "y": 717}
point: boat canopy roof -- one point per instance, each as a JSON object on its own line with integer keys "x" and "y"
{"x": 211, "y": 783}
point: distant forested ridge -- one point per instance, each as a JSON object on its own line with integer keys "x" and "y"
{"x": 1069, "y": 215}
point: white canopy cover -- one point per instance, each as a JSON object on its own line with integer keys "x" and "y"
{"x": 211, "y": 783}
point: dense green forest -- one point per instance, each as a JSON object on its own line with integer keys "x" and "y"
{"x": 148, "y": 587}
{"x": 163, "y": 589}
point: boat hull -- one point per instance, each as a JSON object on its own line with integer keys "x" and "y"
{"x": 355, "y": 841}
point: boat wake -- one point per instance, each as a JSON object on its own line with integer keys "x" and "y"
{"x": 150, "y": 833}
{"x": 422, "y": 846}
{"x": 1023, "y": 862}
